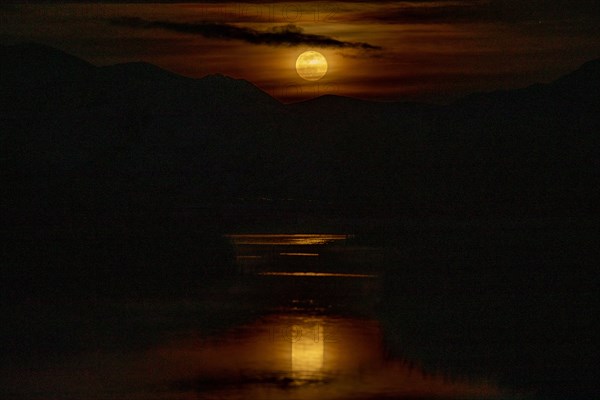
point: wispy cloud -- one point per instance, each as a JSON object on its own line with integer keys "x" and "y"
{"x": 420, "y": 13}
{"x": 286, "y": 35}
{"x": 474, "y": 11}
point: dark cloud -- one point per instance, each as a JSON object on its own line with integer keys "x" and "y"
{"x": 287, "y": 35}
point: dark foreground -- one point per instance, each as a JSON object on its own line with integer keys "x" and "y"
{"x": 427, "y": 309}
{"x": 118, "y": 279}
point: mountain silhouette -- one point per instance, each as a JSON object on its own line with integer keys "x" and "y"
{"x": 141, "y": 71}
{"x": 188, "y": 141}
{"x": 38, "y": 64}
{"x": 120, "y": 181}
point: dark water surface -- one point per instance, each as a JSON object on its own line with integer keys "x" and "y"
{"x": 300, "y": 322}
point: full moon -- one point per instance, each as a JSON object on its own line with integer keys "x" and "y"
{"x": 311, "y": 65}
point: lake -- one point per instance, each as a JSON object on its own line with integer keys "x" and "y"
{"x": 301, "y": 320}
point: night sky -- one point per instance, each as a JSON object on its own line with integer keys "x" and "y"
{"x": 433, "y": 51}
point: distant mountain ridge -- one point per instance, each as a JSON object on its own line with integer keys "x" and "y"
{"x": 63, "y": 66}
{"x": 188, "y": 140}
{"x": 38, "y": 63}
{"x": 480, "y": 218}
{"x": 142, "y": 70}
{"x": 68, "y": 79}
{"x": 35, "y": 64}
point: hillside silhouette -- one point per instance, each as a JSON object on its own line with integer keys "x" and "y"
{"x": 119, "y": 181}
{"x": 94, "y": 146}
{"x": 224, "y": 138}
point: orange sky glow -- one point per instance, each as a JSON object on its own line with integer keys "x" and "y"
{"x": 426, "y": 51}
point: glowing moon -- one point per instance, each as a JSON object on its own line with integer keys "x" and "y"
{"x": 311, "y": 65}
